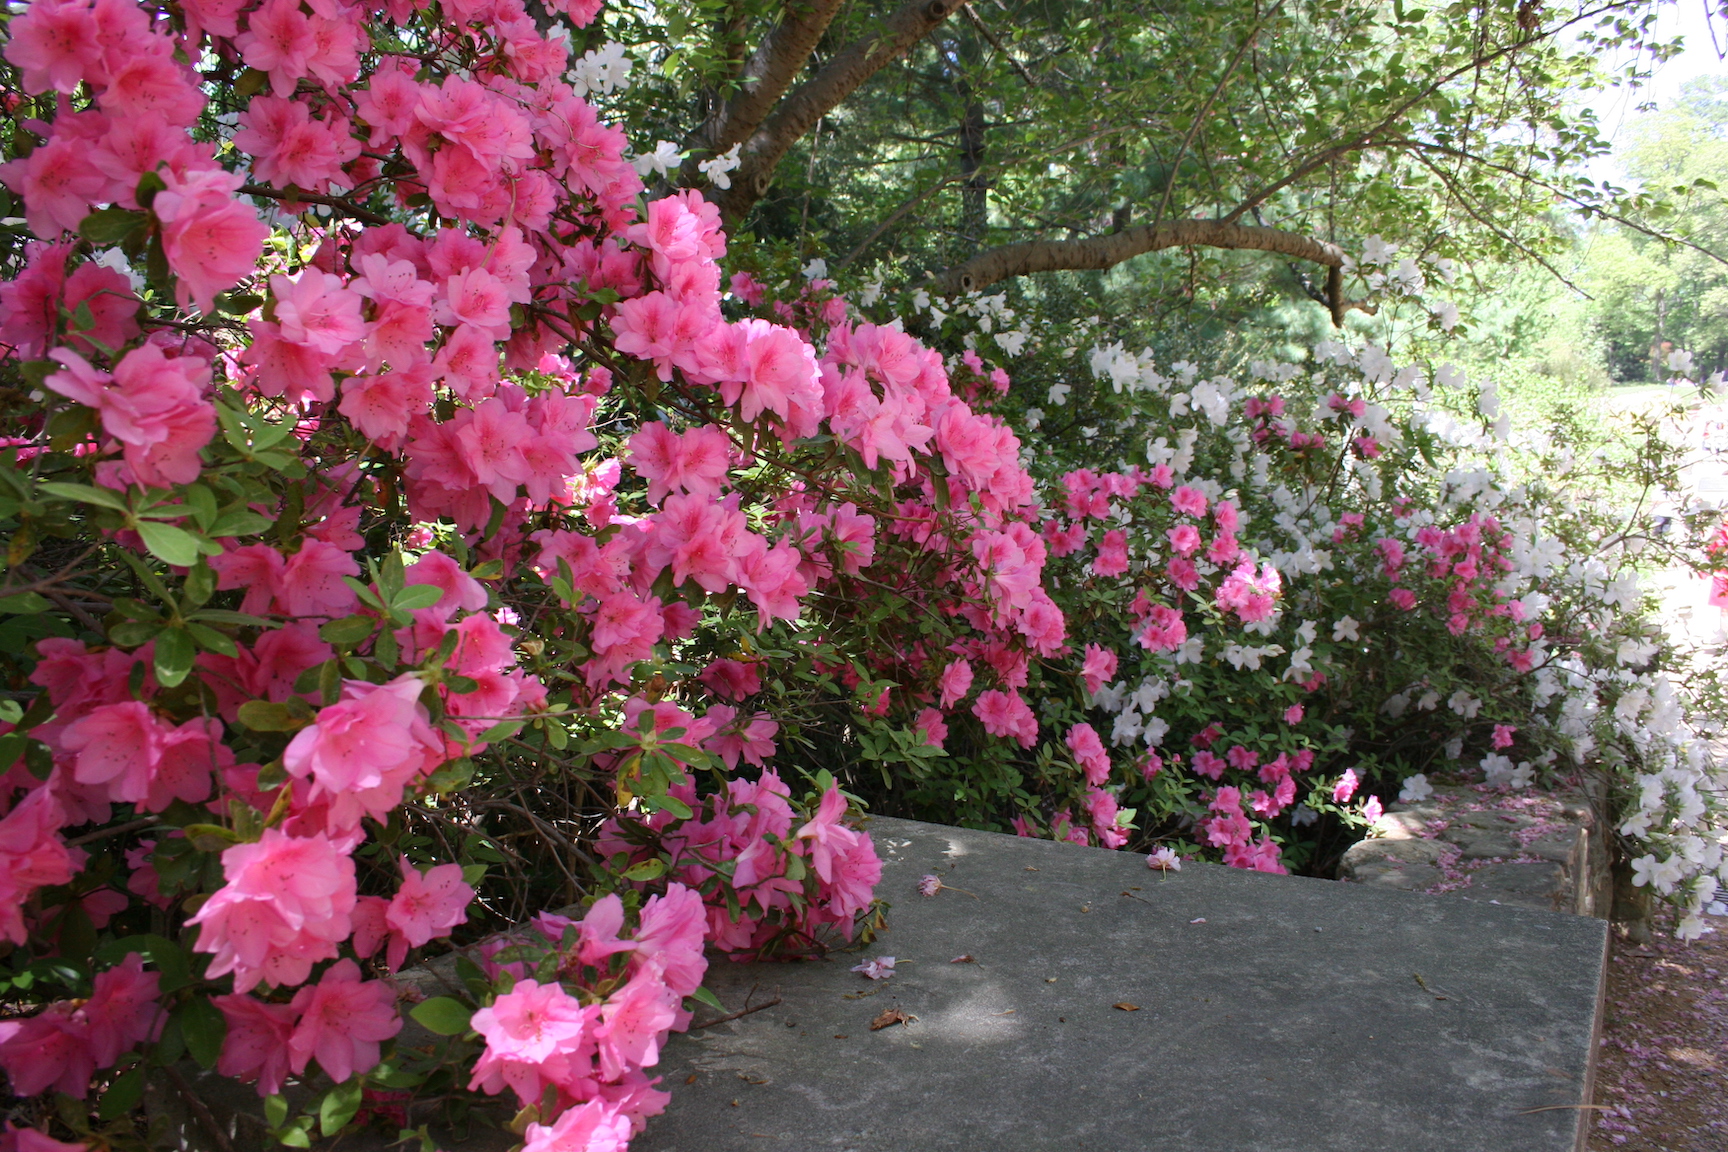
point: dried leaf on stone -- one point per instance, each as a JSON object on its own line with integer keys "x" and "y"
{"x": 963, "y": 958}
{"x": 889, "y": 1017}
{"x": 1126, "y": 1007}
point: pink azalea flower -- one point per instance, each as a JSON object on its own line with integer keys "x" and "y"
{"x": 1098, "y": 667}
{"x": 342, "y": 1020}
{"x": 932, "y": 726}
{"x": 373, "y": 732}
{"x": 1293, "y": 714}
{"x": 56, "y": 45}
{"x": 122, "y": 1011}
{"x": 49, "y": 1049}
{"x": 1188, "y": 501}
{"x": 286, "y": 905}
{"x": 256, "y": 1044}
{"x": 1089, "y": 753}
{"x": 1006, "y": 714}
{"x": 536, "y": 1035}
{"x": 1112, "y": 559}
{"x": 425, "y": 906}
{"x": 1346, "y": 787}
{"x": 152, "y": 404}
{"x": 32, "y": 855}
{"x": 634, "y": 1022}
{"x": 211, "y": 240}
{"x": 596, "y": 1126}
{"x": 955, "y": 682}
{"x": 694, "y": 461}
{"x": 880, "y": 968}
{"x": 671, "y": 934}
{"x": 1164, "y": 859}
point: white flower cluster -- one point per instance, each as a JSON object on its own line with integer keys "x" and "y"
{"x": 1603, "y": 699}
{"x": 602, "y": 71}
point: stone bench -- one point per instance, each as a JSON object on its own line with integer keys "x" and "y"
{"x": 1107, "y": 1006}
{"x": 1263, "y": 1013}
{"x": 1525, "y": 849}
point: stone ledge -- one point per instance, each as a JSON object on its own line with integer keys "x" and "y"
{"x": 1524, "y": 849}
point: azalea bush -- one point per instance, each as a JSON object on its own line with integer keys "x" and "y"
{"x": 411, "y": 531}
{"x": 1312, "y": 589}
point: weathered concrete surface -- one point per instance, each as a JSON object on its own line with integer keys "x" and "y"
{"x": 1274, "y": 1014}
{"x": 1526, "y": 849}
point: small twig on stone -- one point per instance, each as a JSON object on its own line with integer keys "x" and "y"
{"x": 736, "y": 1015}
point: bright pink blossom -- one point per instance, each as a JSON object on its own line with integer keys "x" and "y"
{"x": 425, "y": 906}
{"x": 342, "y": 1020}
{"x": 285, "y": 905}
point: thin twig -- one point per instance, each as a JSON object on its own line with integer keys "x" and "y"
{"x": 346, "y": 207}
{"x": 117, "y": 830}
{"x": 736, "y": 1015}
{"x": 1031, "y": 80}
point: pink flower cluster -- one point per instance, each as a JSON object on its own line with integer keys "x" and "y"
{"x": 589, "y": 1048}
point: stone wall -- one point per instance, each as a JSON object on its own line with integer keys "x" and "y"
{"x": 1527, "y": 849}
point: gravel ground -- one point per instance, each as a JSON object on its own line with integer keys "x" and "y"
{"x": 1662, "y": 1078}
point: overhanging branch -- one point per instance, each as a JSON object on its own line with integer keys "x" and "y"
{"x": 767, "y": 75}
{"x": 798, "y": 112}
{"x": 1097, "y": 253}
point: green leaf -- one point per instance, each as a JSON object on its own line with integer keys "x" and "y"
{"x": 106, "y": 227}
{"x": 123, "y": 1095}
{"x": 85, "y": 494}
{"x": 275, "y": 1110}
{"x": 268, "y": 716}
{"x": 647, "y": 870}
{"x": 169, "y": 544}
{"x": 417, "y": 596}
{"x": 442, "y": 1016}
{"x": 204, "y": 1027}
{"x": 132, "y": 633}
{"x": 175, "y": 652}
{"x": 708, "y": 998}
{"x": 223, "y": 616}
{"x": 212, "y": 641}
{"x": 210, "y": 837}
{"x": 339, "y": 1106}
{"x": 24, "y": 603}
{"x": 240, "y": 521}
{"x": 348, "y": 630}
{"x": 500, "y": 731}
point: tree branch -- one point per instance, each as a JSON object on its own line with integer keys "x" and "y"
{"x": 1101, "y": 252}
{"x": 770, "y": 71}
{"x": 984, "y": 30}
{"x": 799, "y": 112}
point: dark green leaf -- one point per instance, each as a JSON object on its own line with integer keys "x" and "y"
{"x": 204, "y": 1027}
{"x": 106, "y": 227}
{"x": 348, "y": 630}
{"x": 85, "y": 494}
{"x": 123, "y": 1095}
{"x": 175, "y": 652}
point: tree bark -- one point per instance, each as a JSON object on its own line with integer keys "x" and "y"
{"x": 799, "y": 111}
{"x": 1101, "y": 252}
{"x": 767, "y": 75}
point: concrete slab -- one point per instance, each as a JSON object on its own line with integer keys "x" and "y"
{"x": 1272, "y": 1014}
